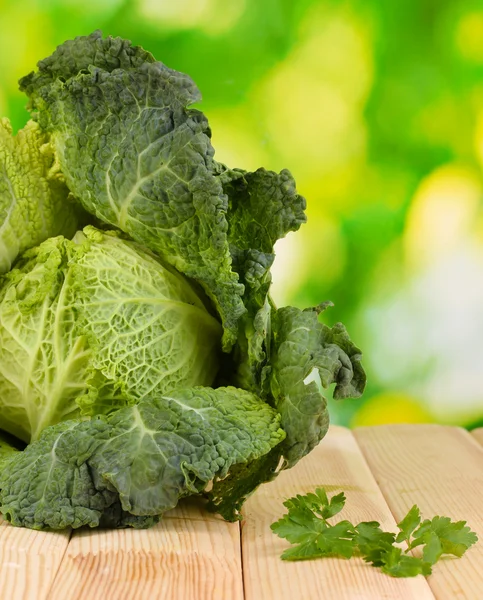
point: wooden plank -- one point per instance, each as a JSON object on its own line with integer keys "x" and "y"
{"x": 336, "y": 464}
{"x": 478, "y": 435}
{"x": 29, "y": 561}
{"x": 440, "y": 469}
{"x": 182, "y": 558}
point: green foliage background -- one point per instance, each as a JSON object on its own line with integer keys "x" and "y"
{"x": 377, "y": 109}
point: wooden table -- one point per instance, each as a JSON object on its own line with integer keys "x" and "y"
{"x": 192, "y": 556}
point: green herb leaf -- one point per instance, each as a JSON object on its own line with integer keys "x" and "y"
{"x": 398, "y": 564}
{"x": 306, "y": 525}
{"x": 408, "y": 524}
{"x": 373, "y": 542}
{"x": 455, "y": 537}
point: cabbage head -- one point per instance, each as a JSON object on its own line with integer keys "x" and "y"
{"x": 95, "y": 324}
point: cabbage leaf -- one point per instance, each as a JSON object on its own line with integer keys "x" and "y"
{"x": 89, "y": 325}
{"x": 300, "y": 344}
{"x": 139, "y": 460}
{"x": 137, "y": 158}
{"x": 34, "y": 201}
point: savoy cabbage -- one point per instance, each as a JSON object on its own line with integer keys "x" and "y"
{"x": 141, "y": 356}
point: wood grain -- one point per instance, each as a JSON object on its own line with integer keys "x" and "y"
{"x": 440, "y": 469}
{"x": 29, "y": 561}
{"x": 179, "y": 559}
{"x": 337, "y": 464}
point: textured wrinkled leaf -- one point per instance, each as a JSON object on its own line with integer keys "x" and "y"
{"x": 128, "y": 468}
{"x": 44, "y": 362}
{"x": 228, "y": 495}
{"x": 178, "y": 443}
{"x": 34, "y": 203}
{"x": 150, "y": 328}
{"x": 299, "y": 344}
{"x": 94, "y": 324}
{"x": 136, "y": 157}
{"x": 50, "y": 484}
{"x": 263, "y": 207}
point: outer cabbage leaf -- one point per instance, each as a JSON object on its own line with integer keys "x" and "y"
{"x": 139, "y": 460}
{"x": 34, "y": 202}
{"x": 178, "y": 443}
{"x": 8, "y": 449}
{"x": 51, "y": 485}
{"x": 228, "y": 494}
{"x": 94, "y": 324}
{"x": 263, "y": 207}
{"x": 74, "y": 56}
{"x": 137, "y": 158}
{"x": 300, "y": 343}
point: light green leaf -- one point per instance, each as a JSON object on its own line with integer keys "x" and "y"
{"x": 44, "y": 362}
{"x": 95, "y": 324}
{"x": 34, "y": 203}
{"x": 397, "y": 564}
{"x": 150, "y": 329}
{"x": 455, "y": 536}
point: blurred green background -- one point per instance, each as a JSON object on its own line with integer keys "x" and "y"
{"x": 377, "y": 109}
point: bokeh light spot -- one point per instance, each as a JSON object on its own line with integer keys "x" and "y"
{"x": 312, "y": 101}
{"x": 442, "y": 213}
{"x": 235, "y": 138}
{"x": 318, "y": 248}
{"x": 391, "y": 407}
{"x": 469, "y": 36}
{"x": 211, "y": 16}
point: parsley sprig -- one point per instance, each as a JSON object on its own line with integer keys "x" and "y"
{"x": 306, "y": 525}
